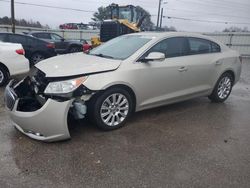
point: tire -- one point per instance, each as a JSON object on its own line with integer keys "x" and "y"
{"x": 4, "y": 76}
{"x": 222, "y": 88}
{"x": 36, "y": 57}
{"x": 75, "y": 49}
{"x": 109, "y": 116}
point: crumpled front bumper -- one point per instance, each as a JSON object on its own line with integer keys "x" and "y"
{"x": 48, "y": 123}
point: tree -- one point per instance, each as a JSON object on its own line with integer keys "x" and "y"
{"x": 22, "y": 22}
{"x": 147, "y": 24}
{"x": 166, "y": 28}
{"x": 236, "y": 29}
{"x": 103, "y": 13}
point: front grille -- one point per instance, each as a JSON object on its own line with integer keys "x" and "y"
{"x": 9, "y": 98}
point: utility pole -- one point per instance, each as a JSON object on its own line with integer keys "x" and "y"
{"x": 161, "y": 17}
{"x": 158, "y": 16}
{"x": 12, "y": 16}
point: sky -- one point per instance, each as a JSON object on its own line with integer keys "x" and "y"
{"x": 196, "y": 12}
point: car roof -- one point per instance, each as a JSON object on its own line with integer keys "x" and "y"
{"x": 160, "y": 35}
{"x": 39, "y": 32}
{"x": 31, "y": 37}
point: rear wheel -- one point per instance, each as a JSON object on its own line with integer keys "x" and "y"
{"x": 4, "y": 76}
{"x": 222, "y": 88}
{"x": 111, "y": 109}
{"x": 75, "y": 49}
{"x": 36, "y": 57}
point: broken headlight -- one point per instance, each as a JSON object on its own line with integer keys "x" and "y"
{"x": 65, "y": 86}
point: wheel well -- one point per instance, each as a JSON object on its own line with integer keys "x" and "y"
{"x": 5, "y": 68}
{"x": 128, "y": 89}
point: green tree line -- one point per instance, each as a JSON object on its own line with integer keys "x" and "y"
{"x": 22, "y": 22}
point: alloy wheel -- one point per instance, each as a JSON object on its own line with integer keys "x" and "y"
{"x": 114, "y": 109}
{"x": 37, "y": 57}
{"x": 224, "y": 87}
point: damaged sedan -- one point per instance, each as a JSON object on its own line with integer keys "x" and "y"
{"x": 127, "y": 74}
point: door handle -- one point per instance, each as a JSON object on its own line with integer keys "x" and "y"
{"x": 218, "y": 63}
{"x": 182, "y": 69}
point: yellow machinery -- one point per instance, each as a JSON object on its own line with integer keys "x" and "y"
{"x": 123, "y": 20}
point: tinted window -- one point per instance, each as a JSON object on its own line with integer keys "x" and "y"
{"x": 215, "y": 47}
{"x": 42, "y": 35}
{"x": 55, "y": 37}
{"x": 172, "y": 47}
{"x": 2, "y": 37}
{"x": 17, "y": 39}
{"x": 202, "y": 46}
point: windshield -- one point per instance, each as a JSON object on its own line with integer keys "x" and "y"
{"x": 125, "y": 13}
{"x": 121, "y": 47}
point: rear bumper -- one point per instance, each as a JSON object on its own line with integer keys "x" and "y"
{"x": 49, "y": 123}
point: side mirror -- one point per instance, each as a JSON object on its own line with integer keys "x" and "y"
{"x": 62, "y": 39}
{"x": 154, "y": 56}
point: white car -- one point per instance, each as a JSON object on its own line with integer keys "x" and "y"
{"x": 12, "y": 61}
{"x": 130, "y": 73}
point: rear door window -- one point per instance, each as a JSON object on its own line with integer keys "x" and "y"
{"x": 202, "y": 46}
{"x": 2, "y": 37}
{"x": 18, "y": 39}
{"x": 42, "y": 35}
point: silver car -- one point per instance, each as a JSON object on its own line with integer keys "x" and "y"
{"x": 125, "y": 75}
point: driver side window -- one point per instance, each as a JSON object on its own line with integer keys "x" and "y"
{"x": 171, "y": 47}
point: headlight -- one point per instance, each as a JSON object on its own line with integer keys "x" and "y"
{"x": 65, "y": 86}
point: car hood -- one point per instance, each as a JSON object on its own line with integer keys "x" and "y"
{"x": 76, "y": 64}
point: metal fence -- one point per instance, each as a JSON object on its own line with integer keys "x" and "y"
{"x": 68, "y": 34}
{"x": 235, "y": 40}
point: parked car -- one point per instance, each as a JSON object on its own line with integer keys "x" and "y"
{"x": 35, "y": 49}
{"x": 127, "y": 74}
{"x": 12, "y": 61}
{"x": 62, "y": 45}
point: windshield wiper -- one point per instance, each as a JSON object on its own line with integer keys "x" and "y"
{"x": 102, "y": 55}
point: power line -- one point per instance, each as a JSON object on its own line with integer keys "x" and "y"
{"x": 226, "y": 2}
{"x": 211, "y": 4}
{"x": 223, "y": 3}
{"x": 223, "y": 15}
{"x": 48, "y": 6}
{"x": 208, "y": 21}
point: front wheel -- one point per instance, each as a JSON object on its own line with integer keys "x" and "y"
{"x": 111, "y": 109}
{"x": 222, "y": 88}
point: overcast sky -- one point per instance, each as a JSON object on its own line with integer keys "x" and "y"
{"x": 211, "y": 10}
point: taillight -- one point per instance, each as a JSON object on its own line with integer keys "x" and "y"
{"x": 50, "y": 45}
{"x": 20, "y": 51}
{"x": 86, "y": 48}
